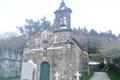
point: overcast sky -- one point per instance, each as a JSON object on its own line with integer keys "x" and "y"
{"x": 100, "y": 15}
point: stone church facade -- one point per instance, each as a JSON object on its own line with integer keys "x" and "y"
{"x": 57, "y": 50}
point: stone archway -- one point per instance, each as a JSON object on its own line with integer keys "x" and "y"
{"x": 45, "y": 71}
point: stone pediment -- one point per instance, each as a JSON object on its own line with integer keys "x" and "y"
{"x": 44, "y": 40}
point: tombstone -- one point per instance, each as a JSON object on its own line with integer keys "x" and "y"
{"x": 78, "y": 75}
{"x": 28, "y": 70}
{"x": 57, "y": 76}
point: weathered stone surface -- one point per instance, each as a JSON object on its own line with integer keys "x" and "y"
{"x": 64, "y": 57}
{"x": 58, "y": 48}
{"x": 10, "y": 63}
{"x": 28, "y": 70}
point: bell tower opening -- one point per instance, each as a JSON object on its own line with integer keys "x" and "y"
{"x": 63, "y": 17}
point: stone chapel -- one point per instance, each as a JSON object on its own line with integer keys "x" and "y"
{"x": 57, "y": 50}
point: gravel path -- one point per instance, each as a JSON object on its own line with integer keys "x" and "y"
{"x": 100, "y": 76}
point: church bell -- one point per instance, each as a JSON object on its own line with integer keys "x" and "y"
{"x": 62, "y": 23}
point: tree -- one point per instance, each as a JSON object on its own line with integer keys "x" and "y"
{"x": 118, "y": 36}
{"x": 32, "y": 27}
{"x": 84, "y": 30}
{"x": 97, "y": 57}
{"x": 92, "y": 48}
{"x": 93, "y": 32}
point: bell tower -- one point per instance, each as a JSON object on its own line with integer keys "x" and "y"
{"x": 63, "y": 17}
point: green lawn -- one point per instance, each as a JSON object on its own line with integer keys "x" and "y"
{"x": 87, "y": 77}
{"x": 113, "y": 75}
{"x": 10, "y": 78}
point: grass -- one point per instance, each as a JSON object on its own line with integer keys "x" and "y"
{"x": 113, "y": 75}
{"x": 10, "y": 78}
{"x": 87, "y": 77}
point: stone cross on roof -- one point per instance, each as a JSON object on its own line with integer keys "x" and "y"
{"x": 62, "y": 5}
{"x": 57, "y": 75}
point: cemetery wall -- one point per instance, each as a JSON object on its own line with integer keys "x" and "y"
{"x": 10, "y": 63}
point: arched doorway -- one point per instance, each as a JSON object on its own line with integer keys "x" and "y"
{"x": 45, "y": 71}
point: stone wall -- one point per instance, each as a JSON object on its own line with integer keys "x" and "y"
{"x": 10, "y": 63}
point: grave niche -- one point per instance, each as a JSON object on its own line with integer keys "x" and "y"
{"x": 28, "y": 70}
